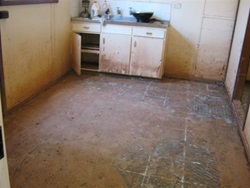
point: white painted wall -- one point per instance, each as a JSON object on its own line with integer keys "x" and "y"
{"x": 237, "y": 45}
{"x": 36, "y": 48}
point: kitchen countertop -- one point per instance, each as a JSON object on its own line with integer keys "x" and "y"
{"x": 123, "y": 21}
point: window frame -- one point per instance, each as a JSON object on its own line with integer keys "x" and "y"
{"x": 25, "y": 2}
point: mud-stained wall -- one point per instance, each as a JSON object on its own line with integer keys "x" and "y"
{"x": 199, "y": 38}
{"x": 183, "y": 38}
{"x": 36, "y": 48}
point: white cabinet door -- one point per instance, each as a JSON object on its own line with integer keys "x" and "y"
{"x": 213, "y": 55}
{"x": 115, "y": 53}
{"x": 224, "y": 8}
{"x": 147, "y": 57}
{"x": 76, "y": 53}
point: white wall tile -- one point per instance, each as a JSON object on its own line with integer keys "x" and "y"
{"x": 75, "y": 8}
{"x": 161, "y": 10}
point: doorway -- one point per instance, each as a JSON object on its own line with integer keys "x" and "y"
{"x": 246, "y": 91}
{"x": 242, "y": 86}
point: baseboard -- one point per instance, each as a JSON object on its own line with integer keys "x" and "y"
{"x": 240, "y": 117}
{"x": 245, "y": 144}
{"x": 192, "y": 78}
{"x": 37, "y": 93}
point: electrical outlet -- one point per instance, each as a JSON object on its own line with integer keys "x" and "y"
{"x": 177, "y": 6}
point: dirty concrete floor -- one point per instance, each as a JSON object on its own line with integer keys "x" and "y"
{"x": 113, "y": 131}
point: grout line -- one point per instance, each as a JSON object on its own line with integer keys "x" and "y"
{"x": 145, "y": 173}
{"x": 184, "y": 154}
{"x": 166, "y": 96}
{"x": 144, "y": 176}
{"x": 185, "y": 136}
{"x": 146, "y": 90}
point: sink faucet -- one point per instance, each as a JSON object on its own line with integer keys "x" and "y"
{"x": 119, "y": 11}
{"x": 107, "y": 15}
{"x": 131, "y": 11}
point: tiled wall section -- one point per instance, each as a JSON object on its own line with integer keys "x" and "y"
{"x": 161, "y": 10}
{"x": 75, "y": 7}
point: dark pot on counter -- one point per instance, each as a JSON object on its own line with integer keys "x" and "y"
{"x": 143, "y": 16}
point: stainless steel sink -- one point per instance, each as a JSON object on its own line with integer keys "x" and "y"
{"x": 113, "y": 19}
{"x": 122, "y": 19}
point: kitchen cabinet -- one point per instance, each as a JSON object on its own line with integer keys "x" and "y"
{"x": 127, "y": 49}
{"x": 147, "y": 52}
{"x": 115, "y": 53}
{"x": 115, "y": 49}
{"x": 85, "y": 46}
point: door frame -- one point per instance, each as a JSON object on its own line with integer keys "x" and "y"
{"x": 2, "y": 83}
{"x": 243, "y": 70}
{"x": 243, "y": 65}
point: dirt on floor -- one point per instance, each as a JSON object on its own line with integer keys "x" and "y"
{"x": 102, "y": 130}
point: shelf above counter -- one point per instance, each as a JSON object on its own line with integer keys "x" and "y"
{"x": 90, "y": 51}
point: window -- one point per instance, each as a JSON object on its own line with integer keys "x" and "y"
{"x": 23, "y": 2}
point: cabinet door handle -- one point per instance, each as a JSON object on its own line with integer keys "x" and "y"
{"x": 86, "y": 27}
{"x": 149, "y": 33}
{"x": 135, "y": 44}
{"x": 103, "y": 40}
